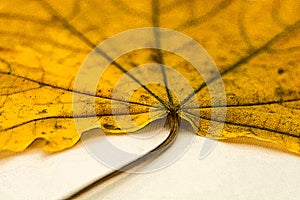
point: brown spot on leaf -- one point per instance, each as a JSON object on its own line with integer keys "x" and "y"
{"x": 111, "y": 127}
{"x": 280, "y": 71}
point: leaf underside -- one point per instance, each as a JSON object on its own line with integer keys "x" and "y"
{"x": 255, "y": 45}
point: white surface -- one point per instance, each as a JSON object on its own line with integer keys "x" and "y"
{"x": 231, "y": 171}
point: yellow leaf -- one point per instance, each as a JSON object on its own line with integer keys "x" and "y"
{"x": 255, "y": 45}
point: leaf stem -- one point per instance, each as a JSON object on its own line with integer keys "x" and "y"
{"x": 173, "y": 121}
